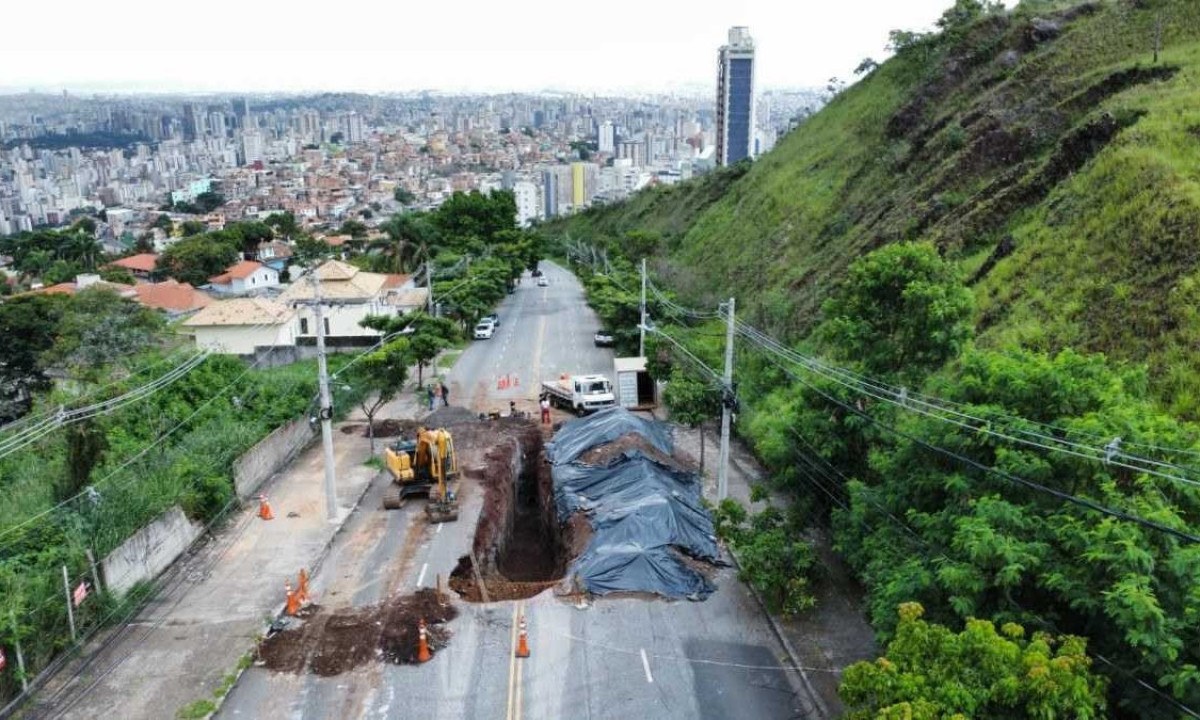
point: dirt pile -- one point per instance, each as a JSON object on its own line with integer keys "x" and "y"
{"x": 330, "y": 643}
{"x": 606, "y": 453}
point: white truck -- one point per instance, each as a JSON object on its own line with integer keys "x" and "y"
{"x": 581, "y": 394}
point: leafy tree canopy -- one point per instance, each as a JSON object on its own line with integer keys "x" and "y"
{"x": 901, "y": 310}
{"x": 932, "y": 672}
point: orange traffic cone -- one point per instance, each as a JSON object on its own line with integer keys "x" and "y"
{"x": 523, "y": 640}
{"x": 302, "y": 587}
{"x": 293, "y": 600}
{"x": 264, "y": 508}
{"x": 422, "y": 643}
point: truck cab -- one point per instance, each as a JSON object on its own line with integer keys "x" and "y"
{"x": 581, "y": 393}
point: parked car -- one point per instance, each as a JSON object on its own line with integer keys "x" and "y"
{"x": 536, "y": 273}
{"x": 603, "y": 338}
{"x": 542, "y": 281}
{"x": 493, "y": 319}
{"x": 484, "y": 331}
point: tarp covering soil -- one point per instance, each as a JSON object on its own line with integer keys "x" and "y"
{"x": 332, "y": 642}
{"x": 643, "y": 512}
{"x": 578, "y": 436}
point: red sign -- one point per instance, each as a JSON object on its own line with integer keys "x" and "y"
{"x": 80, "y": 593}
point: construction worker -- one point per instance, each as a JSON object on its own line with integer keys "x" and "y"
{"x": 445, "y": 393}
{"x": 429, "y": 396}
{"x": 545, "y": 409}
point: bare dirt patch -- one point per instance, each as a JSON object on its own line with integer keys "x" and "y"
{"x": 330, "y": 643}
{"x": 606, "y": 453}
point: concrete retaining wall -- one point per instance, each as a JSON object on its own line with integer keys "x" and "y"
{"x": 150, "y": 550}
{"x": 270, "y": 455}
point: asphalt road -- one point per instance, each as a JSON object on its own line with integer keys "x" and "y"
{"x": 611, "y": 659}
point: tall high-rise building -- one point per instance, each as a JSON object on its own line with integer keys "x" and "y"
{"x": 606, "y": 137}
{"x": 241, "y": 111}
{"x": 735, "y": 97}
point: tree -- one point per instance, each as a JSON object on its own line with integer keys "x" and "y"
{"x": 191, "y": 227}
{"x": 164, "y": 222}
{"x": 427, "y": 335}
{"x": 403, "y": 195}
{"x": 473, "y": 220}
{"x": 932, "y": 672}
{"x": 866, "y": 67}
{"x": 117, "y": 275}
{"x": 27, "y": 324}
{"x": 410, "y": 236}
{"x": 381, "y": 374}
{"x": 902, "y": 311}
{"x": 250, "y": 235}
{"x": 354, "y": 229}
{"x": 641, "y": 243}
{"x": 98, "y": 328}
{"x": 772, "y": 554}
{"x": 284, "y": 224}
{"x": 197, "y": 258}
{"x": 209, "y": 200}
{"x": 692, "y": 402}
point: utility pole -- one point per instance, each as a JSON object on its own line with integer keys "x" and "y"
{"x": 331, "y": 508}
{"x": 642, "y": 324}
{"x": 726, "y": 409}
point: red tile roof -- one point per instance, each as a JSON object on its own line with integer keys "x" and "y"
{"x": 143, "y": 262}
{"x": 172, "y": 296}
{"x": 240, "y": 271}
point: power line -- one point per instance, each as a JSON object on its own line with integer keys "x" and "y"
{"x": 1109, "y": 455}
{"x": 1065, "y": 497}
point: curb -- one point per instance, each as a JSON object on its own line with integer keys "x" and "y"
{"x": 316, "y": 566}
{"x": 820, "y": 706}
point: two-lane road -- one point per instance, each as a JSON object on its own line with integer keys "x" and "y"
{"x": 609, "y": 660}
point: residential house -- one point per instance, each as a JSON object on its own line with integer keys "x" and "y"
{"x": 141, "y": 266}
{"x": 240, "y": 325}
{"x": 275, "y": 254}
{"x": 348, "y": 296}
{"x": 245, "y": 277}
{"x": 173, "y": 298}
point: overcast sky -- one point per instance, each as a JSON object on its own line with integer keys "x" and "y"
{"x": 489, "y": 45}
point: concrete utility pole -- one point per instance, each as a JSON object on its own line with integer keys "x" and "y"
{"x": 726, "y": 410}
{"x": 642, "y": 324}
{"x": 331, "y": 508}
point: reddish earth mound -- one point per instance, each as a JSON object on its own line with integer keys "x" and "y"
{"x": 391, "y": 428}
{"x": 606, "y": 453}
{"x": 330, "y": 643}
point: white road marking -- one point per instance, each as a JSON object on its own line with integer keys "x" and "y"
{"x": 646, "y": 666}
{"x": 421, "y": 579}
{"x": 439, "y": 528}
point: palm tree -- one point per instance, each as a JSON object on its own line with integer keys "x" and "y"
{"x": 80, "y": 248}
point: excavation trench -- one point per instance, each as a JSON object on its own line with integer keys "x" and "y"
{"x": 520, "y": 548}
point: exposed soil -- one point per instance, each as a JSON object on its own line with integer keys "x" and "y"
{"x": 604, "y": 454}
{"x": 330, "y": 643}
{"x": 518, "y": 542}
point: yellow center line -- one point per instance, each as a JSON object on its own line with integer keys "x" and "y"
{"x": 512, "y": 661}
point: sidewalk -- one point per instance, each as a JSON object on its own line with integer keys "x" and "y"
{"x": 834, "y": 634}
{"x": 218, "y": 598}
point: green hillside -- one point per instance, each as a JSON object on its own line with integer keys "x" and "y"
{"x": 996, "y": 236}
{"x": 1043, "y": 151}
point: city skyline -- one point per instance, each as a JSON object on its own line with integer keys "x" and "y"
{"x": 535, "y": 48}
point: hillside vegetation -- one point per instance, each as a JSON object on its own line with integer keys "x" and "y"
{"x": 994, "y": 237}
{"x": 1043, "y": 151}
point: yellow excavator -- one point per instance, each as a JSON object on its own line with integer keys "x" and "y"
{"x": 425, "y": 464}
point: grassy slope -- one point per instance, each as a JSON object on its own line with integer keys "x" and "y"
{"x": 1077, "y": 148}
